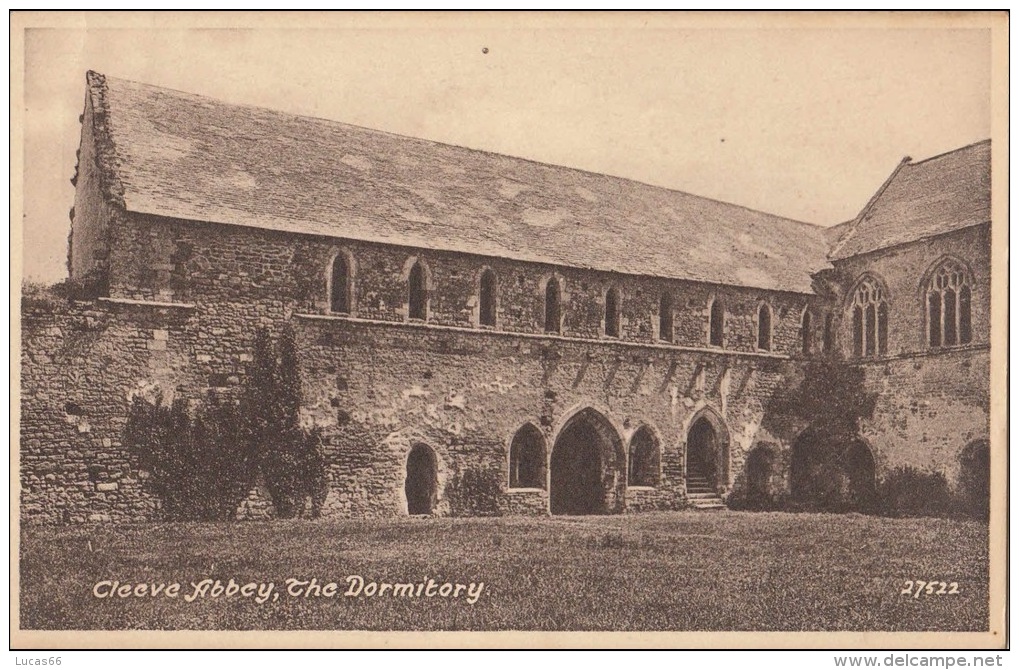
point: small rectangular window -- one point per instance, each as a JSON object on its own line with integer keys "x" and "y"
{"x": 486, "y": 315}
{"x": 552, "y": 307}
{"x": 612, "y": 312}
{"x": 418, "y": 293}
{"x": 716, "y": 324}
{"x": 764, "y": 328}
{"x": 665, "y": 318}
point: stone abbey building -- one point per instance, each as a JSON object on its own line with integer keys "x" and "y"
{"x": 590, "y": 343}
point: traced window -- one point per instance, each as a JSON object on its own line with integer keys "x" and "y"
{"x": 716, "y": 323}
{"x": 527, "y": 459}
{"x": 612, "y": 310}
{"x": 949, "y": 296}
{"x": 806, "y": 333}
{"x": 488, "y": 293}
{"x": 341, "y": 285}
{"x": 869, "y": 319}
{"x": 644, "y": 459}
{"x": 553, "y": 308}
{"x": 764, "y": 327}
{"x": 665, "y": 318}
{"x": 417, "y": 286}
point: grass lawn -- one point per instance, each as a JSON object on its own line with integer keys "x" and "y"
{"x": 683, "y": 571}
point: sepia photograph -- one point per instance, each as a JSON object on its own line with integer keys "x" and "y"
{"x": 509, "y": 330}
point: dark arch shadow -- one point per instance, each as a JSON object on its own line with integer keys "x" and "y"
{"x": 644, "y": 458}
{"x": 421, "y": 485}
{"x": 707, "y": 453}
{"x": 587, "y": 467}
{"x": 832, "y": 475}
{"x": 527, "y": 458}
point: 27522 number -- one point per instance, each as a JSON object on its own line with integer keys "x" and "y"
{"x": 918, "y": 588}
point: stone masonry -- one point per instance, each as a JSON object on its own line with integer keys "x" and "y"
{"x": 164, "y": 305}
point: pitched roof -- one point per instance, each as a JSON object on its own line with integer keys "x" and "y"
{"x": 920, "y": 200}
{"x": 190, "y": 157}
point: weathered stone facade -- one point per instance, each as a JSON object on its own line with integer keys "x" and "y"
{"x": 932, "y": 401}
{"x": 379, "y": 383}
{"x": 175, "y": 304}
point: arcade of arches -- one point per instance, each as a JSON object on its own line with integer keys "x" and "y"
{"x": 588, "y": 468}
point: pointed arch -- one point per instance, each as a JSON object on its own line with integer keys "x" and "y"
{"x": 420, "y": 487}
{"x": 716, "y": 321}
{"x": 553, "y": 305}
{"x": 806, "y": 332}
{"x": 527, "y": 458}
{"x": 643, "y": 458}
{"x": 340, "y": 282}
{"x": 418, "y": 289}
{"x": 488, "y": 297}
{"x": 760, "y": 469}
{"x": 764, "y": 327}
{"x": 975, "y": 478}
{"x": 613, "y": 312}
{"x": 834, "y": 475}
{"x": 867, "y": 309}
{"x": 666, "y": 317}
{"x": 707, "y": 450}
{"x": 587, "y": 466}
{"x": 947, "y": 297}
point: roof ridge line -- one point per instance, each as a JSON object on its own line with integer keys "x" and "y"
{"x": 846, "y": 236}
{"x": 953, "y": 151}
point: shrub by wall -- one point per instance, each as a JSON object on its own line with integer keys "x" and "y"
{"x": 199, "y": 464}
{"x": 203, "y": 462}
{"x": 908, "y": 491}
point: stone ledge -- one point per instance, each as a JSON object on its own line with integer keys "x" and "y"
{"x": 147, "y": 303}
{"x": 923, "y": 353}
{"x": 421, "y": 325}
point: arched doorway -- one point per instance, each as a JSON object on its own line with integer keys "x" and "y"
{"x": 832, "y": 474}
{"x": 587, "y": 467}
{"x": 707, "y": 457}
{"x": 421, "y": 486}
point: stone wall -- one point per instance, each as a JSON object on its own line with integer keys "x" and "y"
{"x": 932, "y": 403}
{"x": 380, "y": 389}
{"x": 375, "y": 389}
{"x": 89, "y": 250}
{"x": 903, "y": 269}
{"x": 186, "y": 300}
{"x": 81, "y": 363}
{"x": 929, "y": 408}
{"x": 267, "y": 274}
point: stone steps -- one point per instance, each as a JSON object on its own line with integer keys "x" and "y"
{"x": 706, "y": 505}
{"x": 701, "y": 493}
